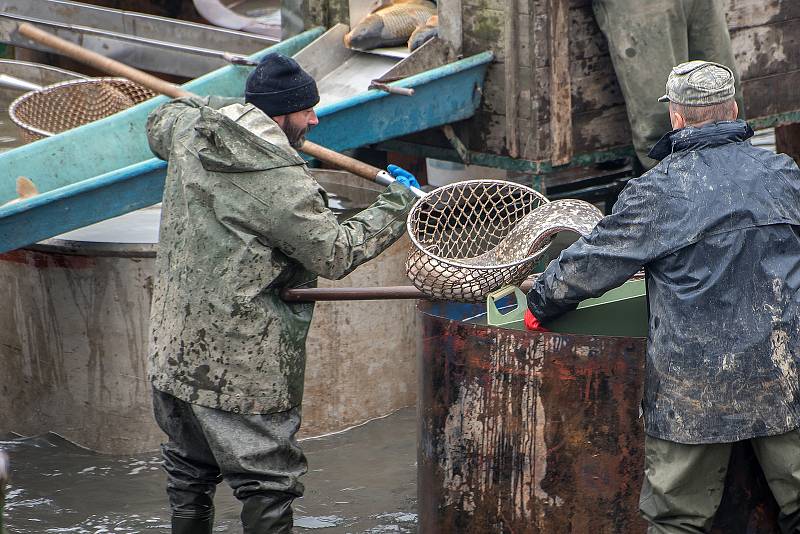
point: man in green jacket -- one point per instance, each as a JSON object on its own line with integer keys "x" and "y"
{"x": 241, "y": 220}
{"x": 646, "y": 38}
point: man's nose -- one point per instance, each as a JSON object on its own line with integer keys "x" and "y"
{"x": 313, "y": 120}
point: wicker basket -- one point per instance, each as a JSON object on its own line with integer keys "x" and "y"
{"x": 66, "y": 105}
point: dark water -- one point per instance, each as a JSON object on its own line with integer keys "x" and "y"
{"x": 359, "y": 481}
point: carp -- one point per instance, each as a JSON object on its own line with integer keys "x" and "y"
{"x": 423, "y": 34}
{"x": 390, "y": 25}
{"x": 25, "y": 189}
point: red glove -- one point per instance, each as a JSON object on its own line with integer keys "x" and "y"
{"x": 532, "y": 323}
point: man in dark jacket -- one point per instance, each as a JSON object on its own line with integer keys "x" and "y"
{"x": 242, "y": 219}
{"x": 716, "y": 226}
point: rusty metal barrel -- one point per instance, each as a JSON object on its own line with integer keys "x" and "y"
{"x": 524, "y": 432}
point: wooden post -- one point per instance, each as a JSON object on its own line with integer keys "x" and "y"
{"x": 787, "y": 140}
{"x": 533, "y": 138}
{"x": 450, "y": 25}
{"x": 512, "y": 73}
{"x": 561, "y": 146}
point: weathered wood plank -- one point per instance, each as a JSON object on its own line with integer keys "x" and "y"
{"x": 535, "y": 141}
{"x": 771, "y": 95}
{"x": 759, "y": 52}
{"x": 497, "y": 5}
{"x": 768, "y": 49}
{"x": 608, "y": 128}
{"x": 765, "y": 38}
{"x": 484, "y": 29}
{"x": 594, "y": 85}
{"x": 560, "y": 85}
{"x": 787, "y": 140}
{"x": 749, "y": 13}
{"x": 512, "y": 66}
{"x": 599, "y": 130}
{"x": 450, "y": 25}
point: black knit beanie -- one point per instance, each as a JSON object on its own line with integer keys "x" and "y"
{"x": 278, "y": 86}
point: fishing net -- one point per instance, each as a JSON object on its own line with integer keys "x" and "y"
{"x": 455, "y": 231}
{"x": 472, "y": 238}
{"x": 70, "y": 104}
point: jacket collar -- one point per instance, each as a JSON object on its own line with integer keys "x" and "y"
{"x": 692, "y": 138}
{"x": 241, "y": 138}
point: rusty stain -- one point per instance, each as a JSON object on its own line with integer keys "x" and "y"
{"x": 40, "y": 260}
{"x": 527, "y": 433}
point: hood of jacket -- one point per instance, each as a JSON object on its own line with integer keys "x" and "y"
{"x": 242, "y": 138}
{"x": 225, "y": 134}
{"x": 694, "y": 138}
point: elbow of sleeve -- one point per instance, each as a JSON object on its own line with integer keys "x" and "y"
{"x": 330, "y": 270}
{"x": 333, "y": 273}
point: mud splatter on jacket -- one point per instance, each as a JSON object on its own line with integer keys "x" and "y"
{"x": 717, "y": 227}
{"x": 241, "y": 220}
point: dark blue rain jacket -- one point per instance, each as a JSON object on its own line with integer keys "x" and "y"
{"x": 716, "y": 225}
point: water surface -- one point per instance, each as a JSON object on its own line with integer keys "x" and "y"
{"x": 359, "y": 481}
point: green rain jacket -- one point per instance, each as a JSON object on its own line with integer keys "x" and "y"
{"x": 242, "y": 219}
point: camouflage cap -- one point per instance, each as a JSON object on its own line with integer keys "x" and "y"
{"x": 699, "y": 83}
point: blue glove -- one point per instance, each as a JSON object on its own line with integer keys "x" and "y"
{"x": 403, "y": 176}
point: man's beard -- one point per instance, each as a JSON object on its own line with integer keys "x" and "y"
{"x": 296, "y": 135}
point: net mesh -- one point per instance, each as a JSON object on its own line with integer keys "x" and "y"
{"x": 66, "y": 105}
{"x": 453, "y": 228}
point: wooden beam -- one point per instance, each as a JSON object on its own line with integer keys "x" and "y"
{"x": 512, "y": 45}
{"x": 787, "y": 140}
{"x": 450, "y": 25}
{"x": 560, "y": 83}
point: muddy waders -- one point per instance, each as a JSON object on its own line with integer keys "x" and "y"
{"x": 257, "y": 455}
{"x": 645, "y": 40}
{"x": 683, "y": 484}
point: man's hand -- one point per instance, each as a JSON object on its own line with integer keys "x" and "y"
{"x": 532, "y": 323}
{"x": 403, "y": 176}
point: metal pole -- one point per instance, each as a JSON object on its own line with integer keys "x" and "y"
{"x": 352, "y": 293}
{"x": 319, "y": 294}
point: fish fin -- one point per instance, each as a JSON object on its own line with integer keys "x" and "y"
{"x": 377, "y": 5}
{"x": 423, "y": 33}
{"x": 26, "y": 188}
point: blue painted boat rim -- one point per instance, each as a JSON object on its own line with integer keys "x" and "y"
{"x": 416, "y": 81}
{"x": 97, "y": 182}
{"x": 155, "y": 164}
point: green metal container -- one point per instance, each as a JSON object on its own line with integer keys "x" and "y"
{"x": 621, "y": 311}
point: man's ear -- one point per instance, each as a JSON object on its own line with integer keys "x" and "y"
{"x": 280, "y": 120}
{"x": 678, "y": 121}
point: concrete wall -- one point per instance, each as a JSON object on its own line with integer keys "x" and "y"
{"x": 361, "y": 355}
{"x": 73, "y": 345}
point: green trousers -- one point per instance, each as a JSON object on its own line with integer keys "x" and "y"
{"x": 683, "y": 484}
{"x": 646, "y": 38}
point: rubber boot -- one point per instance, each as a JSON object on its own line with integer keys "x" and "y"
{"x": 192, "y": 525}
{"x": 267, "y": 512}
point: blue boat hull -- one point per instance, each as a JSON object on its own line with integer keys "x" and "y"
{"x": 105, "y": 169}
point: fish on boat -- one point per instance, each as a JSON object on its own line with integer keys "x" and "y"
{"x": 25, "y": 189}
{"x": 390, "y": 25}
{"x": 423, "y": 34}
